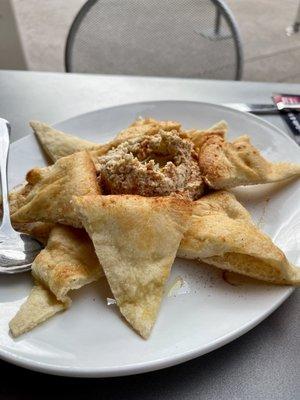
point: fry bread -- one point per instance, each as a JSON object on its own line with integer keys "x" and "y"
{"x": 39, "y": 306}
{"x": 58, "y": 144}
{"x": 68, "y": 262}
{"x": 198, "y": 137}
{"x": 222, "y": 233}
{"x": 225, "y": 165}
{"x": 146, "y": 126}
{"x": 51, "y": 189}
{"x": 136, "y": 239}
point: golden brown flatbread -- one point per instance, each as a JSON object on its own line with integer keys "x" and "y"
{"x": 146, "y": 126}
{"x": 222, "y": 234}
{"x": 17, "y": 197}
{"x": 68, "y": 262}
{"x": 51, "y": 189}
{"x": 150, "y": 126}
{"x": 38, "y": 307}
{"x": 225, "y": 165}
{"x": 198, "y": 137}
{"x": 219, "y": 126}
{"x": 58, "y": 144}
{"x": 136, "y": 239}
{"x": 40, "y": 230}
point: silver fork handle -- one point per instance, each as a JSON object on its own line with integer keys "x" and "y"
{"x": 4, "y": 149}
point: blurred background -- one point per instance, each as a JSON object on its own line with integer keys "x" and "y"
{"x": 33, "y": 35}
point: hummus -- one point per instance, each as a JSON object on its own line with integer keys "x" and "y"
{"x": 161, "y": 164}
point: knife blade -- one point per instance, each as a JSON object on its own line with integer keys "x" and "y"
{"x": 253, "y": 108}
{"x": 262, "y": 109}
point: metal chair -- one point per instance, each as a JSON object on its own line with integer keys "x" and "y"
{"x": 173, "y": 38}
{"x": 295, "y": 28}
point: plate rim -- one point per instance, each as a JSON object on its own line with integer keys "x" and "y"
{"x": 157, "y": 364}
{"x": 142, "y": 367}
{"x": 149, "y": 102}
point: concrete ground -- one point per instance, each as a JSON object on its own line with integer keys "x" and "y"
{"x": 270, "y": 55}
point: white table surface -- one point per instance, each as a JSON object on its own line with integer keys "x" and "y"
{"x": 264, "y": 363}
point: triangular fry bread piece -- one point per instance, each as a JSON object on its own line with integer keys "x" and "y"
{"x": 219, "y": 126}
{"x": 68, "y": 262}
{"x": 146, "y": 126}
{"x": 39, "y": 230}
{"x": 58, "y": 144}
{"x": 225, "y": 165}
{"x": 136, "y": 239}
{"x": 198, "y": 137}
{"x": 221, "y": 233}
{"x": 17, "y": 198}
{"x": 39, "y": 306}
{"x": 51, "y": 189}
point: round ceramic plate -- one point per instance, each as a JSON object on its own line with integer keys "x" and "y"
{"x": 90, "y": 339}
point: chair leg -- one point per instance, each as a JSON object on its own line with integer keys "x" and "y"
{"x": 295, "y": 28}
{"x": 217, "y": 22}
{"x": 216, "y": 32}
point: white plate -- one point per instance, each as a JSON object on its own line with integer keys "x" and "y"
{"x": 90, "y": 339}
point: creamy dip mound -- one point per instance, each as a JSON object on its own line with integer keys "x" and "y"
{"x": 154, "y": 165}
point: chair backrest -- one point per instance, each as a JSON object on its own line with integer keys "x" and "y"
{"x": 174, "y": 38}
